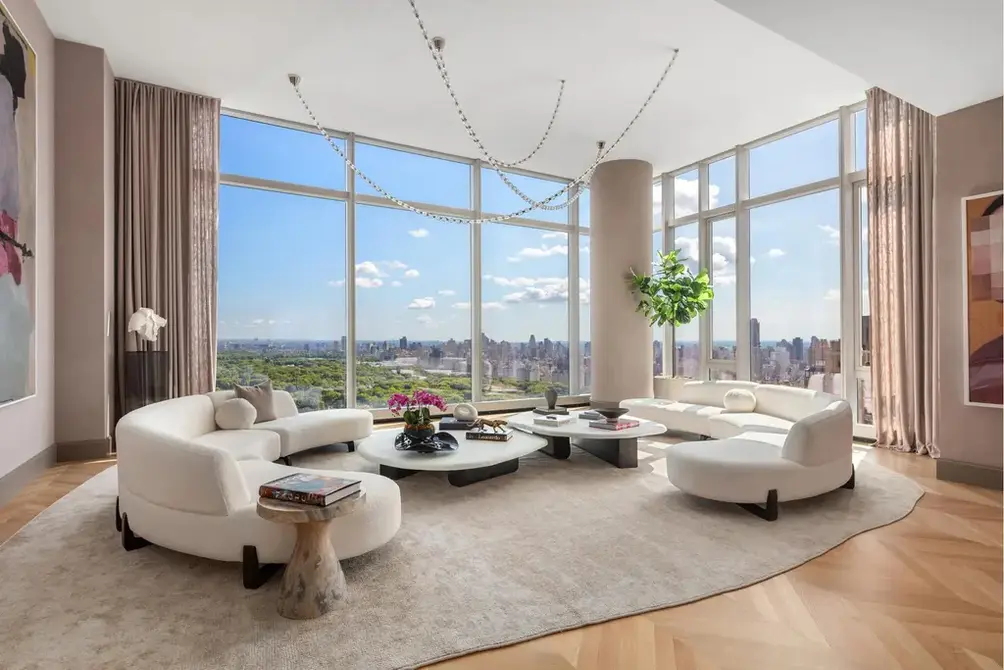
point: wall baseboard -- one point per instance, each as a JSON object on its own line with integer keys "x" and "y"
{"x": 83, "y": 450}
{"x": 985, "y": 476}
{"x": 24, "y": 474}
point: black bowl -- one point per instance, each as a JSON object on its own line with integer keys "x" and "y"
{"x": 611, "y": 414}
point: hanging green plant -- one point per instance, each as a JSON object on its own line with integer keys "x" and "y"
{"x": 672, "y": 294}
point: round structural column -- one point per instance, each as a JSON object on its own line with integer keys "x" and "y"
{"x": 620, "y": 231}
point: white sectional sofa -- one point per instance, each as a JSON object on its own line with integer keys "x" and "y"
{"x": 794, "y": 444}
{"x": 189, "y": 487}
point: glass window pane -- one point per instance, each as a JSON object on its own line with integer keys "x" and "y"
{"x": 524, "y": 311}
{"x": 414, "y": 177}
{"x": 498, "y": 198}
{"x": 723, "y": 374}
{"x": 265, "y": 151}
{"x": 658, "y": 332}
{"x": 802, "y": 158}
{"x": 860, "y": 140}
{"x": 585, "y": 344}
{"x": 583, "y": 203}
{"x": 723, "y": 276}
{"x": 795, "y": 292}
{"x": 864, "y": 378}
{"x": 687, "y": 356}
{"x": 722, "y": 183}
{"x": 685, "y": 194}
{"x": 282, "y": 306}
{"x": 413, "y": 328}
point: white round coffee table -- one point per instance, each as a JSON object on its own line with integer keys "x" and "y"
{"x": 618, "y": 447}
{"x": 474, "y": 460}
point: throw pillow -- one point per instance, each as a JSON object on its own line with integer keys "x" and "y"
{"x": 236, "y": 414}
{"x": 261, "y": 398}
{"x": 739, "y": 400}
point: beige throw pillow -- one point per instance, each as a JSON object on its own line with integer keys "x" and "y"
{"x": 235, "y": 414}
{"x": 739, "y": 400}
{"x": 261, "y": 398}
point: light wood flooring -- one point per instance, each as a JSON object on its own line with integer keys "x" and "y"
{"x": 922, "y": 594}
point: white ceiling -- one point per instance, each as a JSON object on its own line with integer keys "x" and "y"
{"x": 366, "y": 69}
{"x": 940, "y": 55}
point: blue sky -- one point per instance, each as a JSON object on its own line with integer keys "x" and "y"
{"x": 282, "y": 257}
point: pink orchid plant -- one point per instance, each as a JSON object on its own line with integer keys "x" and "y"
{"x": 415, "y": 408}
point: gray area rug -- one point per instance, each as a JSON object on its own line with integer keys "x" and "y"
{"x": 557, "y": 545}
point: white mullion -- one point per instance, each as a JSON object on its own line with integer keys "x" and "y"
{"x": 574, "y": 353}
{"x": 669, "y": 242}
{"x": 350, "y": 279}
{"x": 704, "y": 244}
{"x": 475, "y": 251}
{"x": 795, "y": 192}
{"x": 282, "y": 187}
{"x": 744, "y": 354}
{"x": 848, "y": 264}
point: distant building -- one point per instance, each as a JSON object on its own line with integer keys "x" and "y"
{"x": 755, "y": 333}
{"x": 798, "y": 349}
{"x": 404, "y": 343}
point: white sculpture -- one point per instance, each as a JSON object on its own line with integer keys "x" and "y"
{"x": 146, "y": 323}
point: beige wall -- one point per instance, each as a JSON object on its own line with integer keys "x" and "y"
{"x": 84, "y": 235}
{"x": 969, "y": 161}
{"x": 620, "y": 238}
{"x": 26, "y": 427}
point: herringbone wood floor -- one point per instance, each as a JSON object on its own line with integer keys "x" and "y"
{"x": 922, "y": 594}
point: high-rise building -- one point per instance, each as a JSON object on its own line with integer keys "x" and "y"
{"x": 866, "y": 339}
{"x": 533, "y": 347}
{"x": 755, "y": 333}
{"x": 403, "y": 343}
{"x": 798, "y": 349}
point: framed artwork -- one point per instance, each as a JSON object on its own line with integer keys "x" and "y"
{"x": 983, "y": 218}
{"x": 17, "y": 212}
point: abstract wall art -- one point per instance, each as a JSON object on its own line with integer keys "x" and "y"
{"x": 17, "y": 212}
{"x": 983, "y": 218}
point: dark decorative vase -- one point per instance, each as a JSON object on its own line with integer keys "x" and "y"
{"x": 551, "y": 396}
{"x": 420, "y": 433}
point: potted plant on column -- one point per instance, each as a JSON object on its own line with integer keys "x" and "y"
{"x": 672, "y": 293}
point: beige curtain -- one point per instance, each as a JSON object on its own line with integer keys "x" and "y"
{"x": 901, "y": 273}
{"x": 166, "y": 178}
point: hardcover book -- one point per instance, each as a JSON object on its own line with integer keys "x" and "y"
{"x": 552, "y": 420}
{"x": 451, "y": 423}
{"x": 490, "y": 435}
{"x": 308, "y": 489}
{"x": 621, "y": 424}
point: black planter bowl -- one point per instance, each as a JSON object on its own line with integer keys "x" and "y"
{"x": 611, "y": 414}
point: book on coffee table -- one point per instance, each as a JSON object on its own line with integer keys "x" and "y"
{"x": 490, "y": 435}
{"x": 620, "y": 424}
{"x": 552, "y": 420}
{"x": 309, "y": 489}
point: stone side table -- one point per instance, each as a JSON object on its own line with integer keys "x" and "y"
{"x": 313, "y": 580}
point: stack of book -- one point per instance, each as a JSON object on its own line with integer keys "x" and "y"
{"x": 307, "y": 489}
{"x": 490, "y": 434}
{"x": 551, "y": 420}
{"x": 452, "y": 423}
{"x": 620, "y": 424}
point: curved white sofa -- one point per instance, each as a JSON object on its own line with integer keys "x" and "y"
{"x": 189, "y": 487}
{"x": 795, "y": 443}
{"x": 297, "y": 432}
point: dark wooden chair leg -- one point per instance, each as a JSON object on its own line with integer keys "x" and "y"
{"x": 131, "y": 541}
{"x": 768, "y": 512}
{"x": 351, "y": 445}
{"x": 118, "y": 516}
{"x": 254, "y": 573}
{"x": 849, "y": 484}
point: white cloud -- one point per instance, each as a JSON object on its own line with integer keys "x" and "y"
{"x": 461, "y": 305}
{"x": 422, "y": 303}
{"x": 369, "y": 268}
{"x": 832, "y": 233}
{"x": 832, "y": 294}
{"x": 426, "y": 320}
{"x": 543, "y": 251}
{"x": 775, "y": 253}
{"x": 687, "y": 193}
{"x": 419, "y": 232}
{"x": 257, "y": 322}
{"x": 554, "y": 236}
{"x": 336, "y": 284}
{"x": 411, "y": 274}
{"x": 394, "y": 265}
{"x": 543, "y": 290}
{"x": 447, "y": 291}
{"x": 396, "y": 284}
{"x": 271, "y": 322}
{"x": 492, "y": 305}
{"x": 369, "y": 282}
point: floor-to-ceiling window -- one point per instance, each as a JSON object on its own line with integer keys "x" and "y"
{"x": 781, "y": 226}
{"x": 293, "y": 219}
